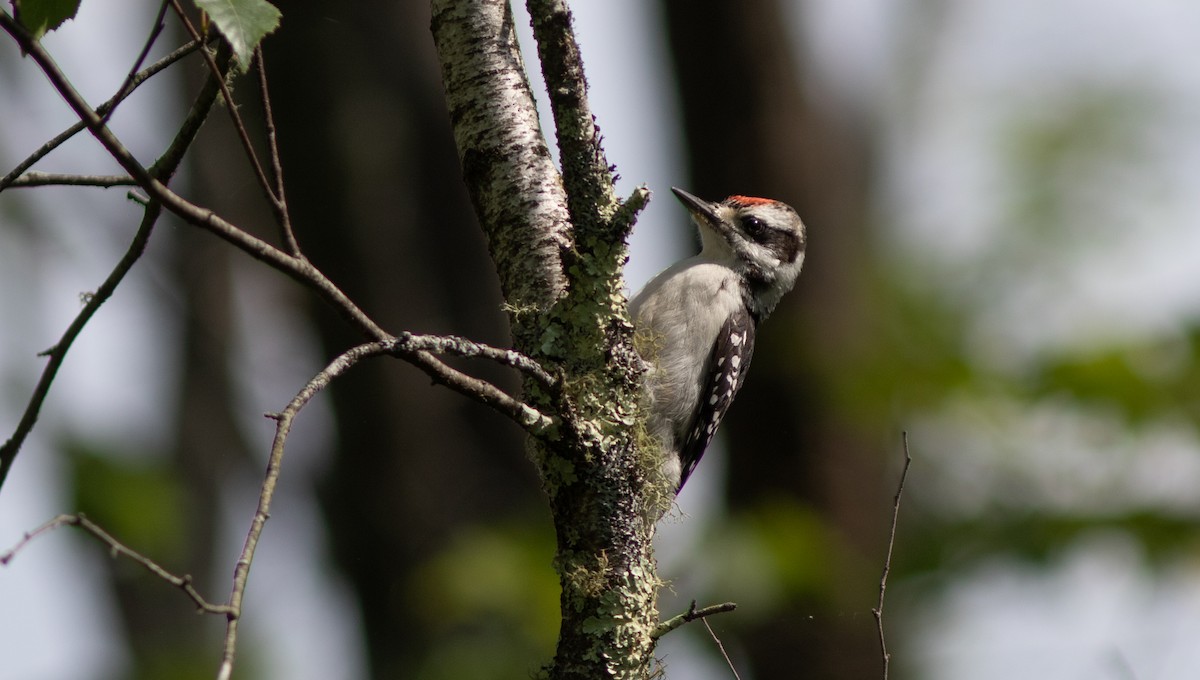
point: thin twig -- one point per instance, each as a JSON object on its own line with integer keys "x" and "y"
{"x": 117, "y": 549}
{"x": 163, "y": 170}
{"x": 298, "y": 268}
{"x": 462, "y": 383}
{"x": 283, "y": 426}
{"x": 690, "y": 615}
{"x": 722, "y": 648}
{"x": 34, "y": 178}
{"x": 127, "y": 85}
{"x": 238, "y": 125}
{"x": 75, "y": 129}
{"x": 56, "y": 354}
{"x": 887, "y": 562}
{"x": 279, "y": 204}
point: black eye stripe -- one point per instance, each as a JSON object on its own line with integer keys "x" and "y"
{"x": 785, "y": 244}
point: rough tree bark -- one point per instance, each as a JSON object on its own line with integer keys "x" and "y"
{"x": 558, "y": 242}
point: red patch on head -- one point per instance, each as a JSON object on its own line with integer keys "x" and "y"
{"x": 747, "y": 201}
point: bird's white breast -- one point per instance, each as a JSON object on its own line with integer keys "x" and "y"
{"x": 677, "y": 316}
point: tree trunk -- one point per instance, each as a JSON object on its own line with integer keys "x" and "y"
{"x": 569, "y": 314}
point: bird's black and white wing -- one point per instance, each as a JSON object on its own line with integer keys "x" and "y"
{"x": 726, "y": 372}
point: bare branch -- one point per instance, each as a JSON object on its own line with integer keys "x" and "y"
{"x": 296, "y": 267}
{"x": 163, "y": 169}
{"x": 452, "y": 344}
{"x": 887, "y": 562}
{"x": 690, "y": 615}
{"x": 279, "y": 204}
{"x": 107, "y": 106}
{"x": 409, "y": 348}
{"x": 56, "y": 354}
{"x": 722, "y": 648}
{"x": 127, "y": 85}
{"x": 283, "y": 426}
{"x": 528, "y": 417}
{"x": 41, "y": 179}
{"x": 117, "y": 549}
{"x": 238, "y": 125}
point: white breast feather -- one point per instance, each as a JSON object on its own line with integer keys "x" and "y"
{"x": 687, "y": 305}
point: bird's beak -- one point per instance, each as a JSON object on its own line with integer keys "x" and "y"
{"x": 700, "y": 209}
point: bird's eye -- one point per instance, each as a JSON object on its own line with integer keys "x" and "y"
{"x": 753, "y": 226}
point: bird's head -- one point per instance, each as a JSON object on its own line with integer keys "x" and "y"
{"x": 759, "y": 238}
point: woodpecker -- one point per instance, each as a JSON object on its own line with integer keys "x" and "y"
{"x": 696, "y": 320}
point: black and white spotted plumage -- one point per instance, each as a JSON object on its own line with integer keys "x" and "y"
{"x": 696, "y": 320}
{"x": 726, "y": 372}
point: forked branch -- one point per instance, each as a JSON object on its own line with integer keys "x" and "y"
{"x": 126, "y": 86}
{"x": 283, "y": 427}
{"x": 691, "y": 615}
{"x": 117, "y": 549}
{"x": 162, "y": 170}
{"x": 419, "y": 350}
{"x": 235, "y": 116}
{"x": 415, "y": 349}
{"x": 103, "y": 109}
{"x": 294, "y": 266}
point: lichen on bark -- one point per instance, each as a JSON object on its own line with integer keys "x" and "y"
{"x": 559, "y": 244}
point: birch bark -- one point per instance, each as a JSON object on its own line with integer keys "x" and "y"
{"x": 558, "y": 242}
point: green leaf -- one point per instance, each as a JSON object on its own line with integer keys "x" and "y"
{"x": 244, "y": 23}
{"x": 40, "y": 16}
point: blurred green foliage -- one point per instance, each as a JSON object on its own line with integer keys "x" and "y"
{"x": 1154, "y": 379}
{"x": 491, "y": 599}
{"x": 774, "y": 551}
{"x": 137, "y": 499}
{"x": 1039, "y": 537}
{"x": 1070, "y": 172}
